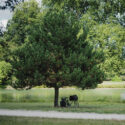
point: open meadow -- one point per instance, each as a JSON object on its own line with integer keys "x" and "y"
{"x": 100, "y": 100}
{"x": 110, "y": 95}
{"x": 38, "y": 121}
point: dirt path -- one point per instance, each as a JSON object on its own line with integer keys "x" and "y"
{"x": 54, "y": 114}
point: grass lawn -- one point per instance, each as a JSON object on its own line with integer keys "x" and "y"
{"x": 47, "y": 95}
{"x": 84, "y": 107}
{"x": 5, "y": 120}
{"x": 101, "y": 100}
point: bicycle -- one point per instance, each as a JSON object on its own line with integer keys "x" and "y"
{"x": 68, "y": 101}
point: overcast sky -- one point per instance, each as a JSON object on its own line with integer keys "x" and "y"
{"x": 4, "y": 16}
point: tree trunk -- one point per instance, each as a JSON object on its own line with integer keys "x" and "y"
{"x": 56, "y": 97}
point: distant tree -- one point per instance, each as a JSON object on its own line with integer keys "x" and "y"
{"x": 5, "y": 66}
{"x": 109, "y": 37}
{"x": 14, "y": 35}
{"x": 54, "y": 52}
{"x": 2, "y": 48}
{"x": 101, "y": 9}
{"x": 5, "y": 71}
{"x": 17, "y": 28}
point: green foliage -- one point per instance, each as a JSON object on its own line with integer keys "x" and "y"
{"x": 103, "y": 19}
{"x": 3, "y": 48}
{"x": 55, "y": 56}
{"x": 96, "y": 12}
{"x": 46, "y": 95}
{"x": 65, "y": 43}
{"x": 110, "y": 38}
{"x": 17, "y": 30}
{"x": 99, "y": 8}
{"x": 23, "y": 16}
{"x": 5, "y": 70}
{"x": 116, "y": 78}
{"x": 5, "y": 67}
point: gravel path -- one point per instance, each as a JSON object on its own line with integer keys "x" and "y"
{"x": 54, "y": 114}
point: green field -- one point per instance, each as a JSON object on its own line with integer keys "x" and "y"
{"x": 112, "y": 84}
{"x": 47, "y": 95}
{"x": 84, "y": 107}
{"x": 95, "y": 100}
{"x": 40, "y": 121}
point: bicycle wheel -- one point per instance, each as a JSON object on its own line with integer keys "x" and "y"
{"x": 76, "y": 104}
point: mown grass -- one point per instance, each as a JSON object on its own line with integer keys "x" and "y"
{"x": 5, "y": 120}
{"x": 112, "y": 84}
{"x": 103, "y": 100}
{"x": 118, "y": 108}
{"x": 47, "y": 95}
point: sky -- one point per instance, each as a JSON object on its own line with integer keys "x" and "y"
{"x": 4, "y": 16}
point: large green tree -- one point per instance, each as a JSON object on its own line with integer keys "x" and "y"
{"x": 100, "y": 14}
{"x": 54, "y": 52}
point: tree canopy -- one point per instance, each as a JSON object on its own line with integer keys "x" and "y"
{"x": 22, "y": 18}
{"x": 102, "y": 9}
{"x": 110, "y": 38}
{"x": 54, "y": 51}
{"x": 100, "y": 14}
